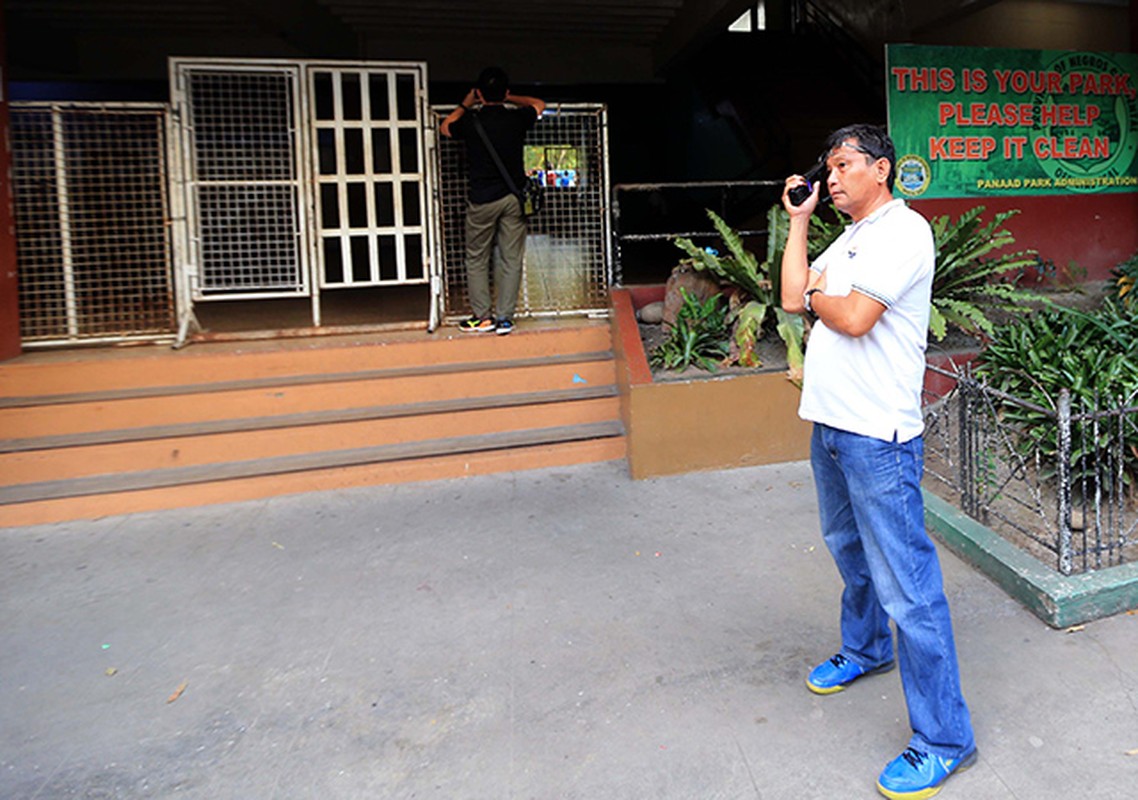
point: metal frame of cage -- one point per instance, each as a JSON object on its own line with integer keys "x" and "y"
{"x": 568, "y": 263}
{"x": 240, "y": 178}
{"x": 92, "y": 222}
{"x": 286, "y": 155}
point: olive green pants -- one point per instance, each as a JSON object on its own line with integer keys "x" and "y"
{"x": 499, "y": 222}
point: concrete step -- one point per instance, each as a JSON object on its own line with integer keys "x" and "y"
{"x": 204, "y": 403}
{"x": 429, "y": 468}
{"x": 87, "y": 436}
{"x": 301, "y": 462}
{"x": 196, "y": 449}
{"x": 33, "y": 377}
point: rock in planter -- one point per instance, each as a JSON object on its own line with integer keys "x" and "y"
{"x": 651, "y": 314}
{"x": 698, "y": 283}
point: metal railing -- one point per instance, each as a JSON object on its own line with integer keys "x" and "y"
{"x": 672, "y": 209}
{"x": 1058, "y": 482}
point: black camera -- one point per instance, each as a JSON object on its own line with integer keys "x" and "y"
{"x": 799, "y": 194}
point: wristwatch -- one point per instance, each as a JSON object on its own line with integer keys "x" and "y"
{"x": 806, "y": 298}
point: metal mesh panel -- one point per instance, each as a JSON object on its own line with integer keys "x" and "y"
{"x": 243, "y": 126}
{"x": 247, "y": 219}
{"x": 89, "y": 185}
{"x": 566, "y": 266}
{"x": 248, "y": 237}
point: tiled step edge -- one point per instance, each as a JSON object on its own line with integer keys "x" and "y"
{"x": 332, "y": 416}
{"x": 301, "y": 380}
{"x": 207, "y": 473}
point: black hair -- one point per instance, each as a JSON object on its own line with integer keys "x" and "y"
{"x": 493, "y": 84}
{"x": 873, "y": 141}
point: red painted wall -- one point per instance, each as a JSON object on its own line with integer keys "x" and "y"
{"x": 9, "y": 301}
{"x": 1094, "y": 232}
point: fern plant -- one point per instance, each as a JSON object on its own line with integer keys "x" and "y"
{"x": 741, "y": 268}
{"x": 699, "y": 336}
{"x": 822, "y": 231}
{"x": 820, "y": 235}
{"x": 1093, "y": 355}
{"x": 749, "y": 310}
{"x": 967, "y": 285}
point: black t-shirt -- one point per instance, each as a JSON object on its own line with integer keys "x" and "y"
{"x": 506, "y": 127}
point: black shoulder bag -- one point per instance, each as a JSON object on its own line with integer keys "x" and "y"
{"x": 532, "y": 195}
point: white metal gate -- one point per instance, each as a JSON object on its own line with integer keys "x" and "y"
{"x": 372, "y": 174}
{"x": 240, "y": 137}
{"x": 299, "y": 176}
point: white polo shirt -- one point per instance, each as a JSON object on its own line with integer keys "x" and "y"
{"x": 871, "y": 384}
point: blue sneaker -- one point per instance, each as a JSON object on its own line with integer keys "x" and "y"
{"x": 838, "y": 672}
{"x": 504, "y": 326}
{"x": 915, "y": 774}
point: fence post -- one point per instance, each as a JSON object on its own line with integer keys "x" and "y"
{"x": 614, "y": 216}
{"x": 1065, "y": 560}
{"x": 1099, "y": 473}
{"x": 967, "y": 399}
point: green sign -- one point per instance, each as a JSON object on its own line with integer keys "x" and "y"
{"x": 986, "y": 122}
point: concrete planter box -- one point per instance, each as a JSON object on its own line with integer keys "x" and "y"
{"x": 707, "y": 423}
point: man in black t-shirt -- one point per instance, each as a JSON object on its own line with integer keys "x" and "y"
{"x": 493, "y": 211}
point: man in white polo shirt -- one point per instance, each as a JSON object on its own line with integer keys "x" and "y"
{"x": 870, "y": 293}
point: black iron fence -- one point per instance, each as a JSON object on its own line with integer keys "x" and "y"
{"x": 1058, "y": 482}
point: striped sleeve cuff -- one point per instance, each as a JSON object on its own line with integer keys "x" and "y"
{"x": 880, "y": 297}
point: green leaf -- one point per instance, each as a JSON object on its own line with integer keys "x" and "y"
{"x": 971, "y": 278}
{"x": 757, "y": 289}
{"x": 791, "y": 328}
{"x": 937, "y": 323}
{"x": 698, "y": 337}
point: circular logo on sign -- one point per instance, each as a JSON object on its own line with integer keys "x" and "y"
{"x": 912, "y": 175}
{"x": 1090, "y": 131}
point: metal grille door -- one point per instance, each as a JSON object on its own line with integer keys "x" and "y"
{"x": 89, "y": 183}
{"x": 566, "y": 268}
{"x": 245, "y": 209}
{"x": 371, "y": 174}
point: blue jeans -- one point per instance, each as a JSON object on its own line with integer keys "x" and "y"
{"x": 872, "y": 514}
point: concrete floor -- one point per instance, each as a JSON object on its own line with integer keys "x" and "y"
{"x": 565, "y": 633}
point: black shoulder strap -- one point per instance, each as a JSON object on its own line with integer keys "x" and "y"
{"x": 493, "y": 152}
